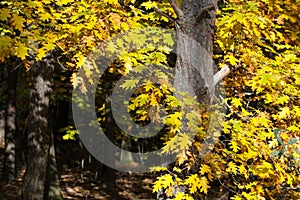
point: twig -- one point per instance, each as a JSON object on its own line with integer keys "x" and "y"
{"x": 15, "y": 68}
{"x": 203, "y": 11}
{"x": 58, "y": 62}
{"x": 172, "y": 19}
{"x": 177, "y": 9}
{"x": 227, "y": 187}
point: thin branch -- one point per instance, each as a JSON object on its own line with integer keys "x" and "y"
{"x": 172, "y": 19}
{"x": 234, "y": 192}
{"x": 177, "y": 9}
{"x": 61, "y": 65}
{"x": 203, "y": 11}
{"x": 15, "y": 68}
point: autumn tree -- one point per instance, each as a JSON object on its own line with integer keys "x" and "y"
{"x": 38, "y": 32}
{"x": 257, "y": 155}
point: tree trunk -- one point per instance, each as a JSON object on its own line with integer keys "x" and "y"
{"x": 2, "y": 124}
{"x": 9, "y": 170}
{"x": 109, "y": 154}
{"x": 194, "y": 66}
{"x": 52, "y": 186}
{"x": 2, "y": 104}
{"x": 38, "y": 132}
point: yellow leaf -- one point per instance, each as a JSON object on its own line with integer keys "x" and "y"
{"x": 74, "y": 80}
{"x": 236, "y": 197}
{"x": 284, "y": 113}
{"x": 129, "y": 84}
{"x": 162, "y": 182}
{"x": 41, "y": 53}
{"x": 236, "y": 102}
{"x": 194, "y": 182}
{"x": 176, "y": 169}
{"x": 182, "y": 196}
{"x": 250, "y": 185}
{"x": 204, "y": 184}
{"x": 204, "y": 169}
{"x": 243, "y": 171}
{"x": 239, "y": 17}
{"x": 232, "y": 60}
{"x": 45, "y": 16}
{"x": 80, "y": 59}
{"x": 17, "y": 21}
{"x": 5, "y": 42}
{"x": 158, "y": 169}
{"x": 184, "y": 141}
{"x": 127, "y": 65}
{"x": 4, "y": 14}
{"x": 234, "y": 146}
{"x": 63, "y": 2}
{"x": 21, "y": 51}
{"x": 231, "y": 168}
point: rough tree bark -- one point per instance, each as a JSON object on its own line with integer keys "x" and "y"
{"x": 195, "y": 32}
{"x": 9, "y": 169}
{"x": 38, "y": 132}
{"x": 195, "y": 25}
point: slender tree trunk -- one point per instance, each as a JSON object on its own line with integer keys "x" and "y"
{"x": 2, "y": 124}
{"x": 109, "y": 153}
{"x": 2, "y": 103}
{"x": 9, "y": 170}
{"x": 39, "y": 135}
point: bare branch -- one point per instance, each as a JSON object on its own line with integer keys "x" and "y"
{"x": 224, "y": 71}
{"x": 61, "y": 65}
{"x": 177, "y": 9}
{"x": 203, "y": 11}
{"x": 172, "y": 19}
{"x": 218, "y": 77}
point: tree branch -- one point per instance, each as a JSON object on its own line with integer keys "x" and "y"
{"x": 218, "y": 77}
{"x": 203, "y": 11}
{"x": 177, "y": 9}
{"x": 224, "y": 71}
{"x": 172, "y": 19}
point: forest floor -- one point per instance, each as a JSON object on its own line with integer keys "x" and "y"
{"x": 79, "y": 180}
